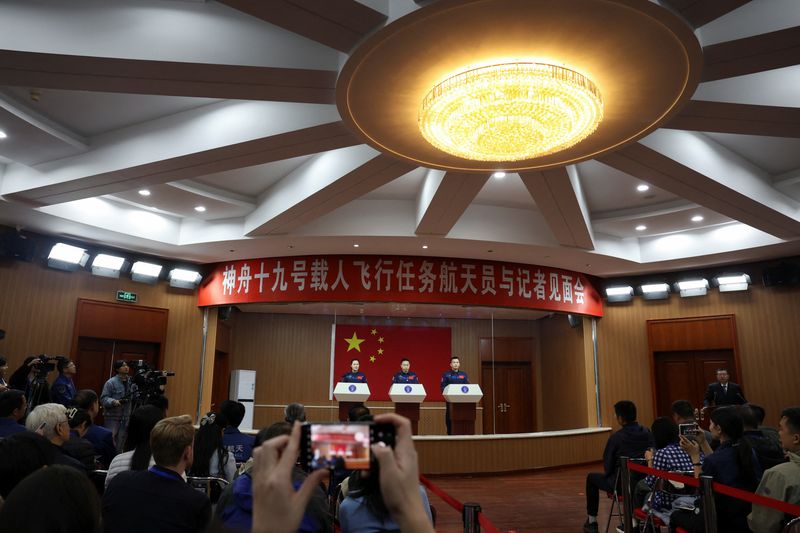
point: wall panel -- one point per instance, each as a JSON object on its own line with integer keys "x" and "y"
{"x": 563, "y": 367}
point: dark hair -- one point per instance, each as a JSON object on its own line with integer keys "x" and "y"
{"x": 723, "y": 370}
{"x": 21, "y": 454}
{"x": 354, "y": 359}
{"x": 295, "y": 411}
{"x": 143, "y": 420}
{"x": 455, "y": 357}
{"x": 749, "y": 417}
{"x": 369, "y": 488}
{"x": 62, "y": 364}
{"x": 207, "y": 442}
{"x": 404, "y": 359}
{"x": 73, "y": 505}
{"x": 3, "y": 361}
{"x": 77, "y": 417}
{"x": 729, "y": 420}
{"x": 84, "y": 399}
{"x": 792, "y": 416}
{"x": 119, "y": 364}
{"x": 233, "y": 411}
{"x": 759, "y": 412}
{"x": 275, "y": 430}
{"x": 683, "y": 409}
{"x": 665, "y": 431}
{"x": 357, "y": 411}
{"x": 625, "y": 409}
{"x": 19, "y": 379}
{"x": 10, "y": 400}
{"x": 160, "y": 401}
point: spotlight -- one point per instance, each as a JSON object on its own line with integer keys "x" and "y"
{"x": 65, "y": 257}
{"x": 499, "y": 175}
{"x": 655, "y": 291}
{"x": 732, "y": 282}
{"x": 145, "y": 272}
{"x": 184, "y": 279}
{"x": 642, "y": 188}
{"x": 619, "y": 294}
{"x": 693, "y": 287}
{"x": 108, "y": 266}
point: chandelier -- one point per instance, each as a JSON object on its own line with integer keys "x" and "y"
{"x": 510, "y": 112}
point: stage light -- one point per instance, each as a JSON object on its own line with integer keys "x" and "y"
{"x": 732, "y": 282}
{"x": 145, "y": 272}
{"x": 184, "y": 279}
{"x": 619, "y": 293}
{"x": 693, "y": 287}
{"x": 108, "y": 266}
{"x": 65, "y": 257}
{"x": 655, "y": 291}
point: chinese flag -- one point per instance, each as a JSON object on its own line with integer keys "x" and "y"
{"x": 380, "y": 350}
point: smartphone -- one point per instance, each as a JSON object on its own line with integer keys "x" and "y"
{"x": 341, "y": 445}
{"x": 688, "y": 430}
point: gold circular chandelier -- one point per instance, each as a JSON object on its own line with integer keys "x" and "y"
{"x": 510, "y": 112}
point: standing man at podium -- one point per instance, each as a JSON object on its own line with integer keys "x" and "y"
{"x": 405, "y": 375}
{"x": 452, "y": 377}
{"x": 354, "y": 376}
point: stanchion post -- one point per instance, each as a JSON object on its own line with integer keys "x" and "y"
{"x": 627, "y": 495}
{"x": 470, "y": 515}
{"x": 709, "y": 507}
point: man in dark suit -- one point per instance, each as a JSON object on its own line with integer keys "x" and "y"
{"x": 159, "y": 499}
{"x": 723, "y": 391}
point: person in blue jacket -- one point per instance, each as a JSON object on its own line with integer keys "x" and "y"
{"x": 454, "y": 376}
{"x": 63, "y": 389}
{"x": 405, "y": 375}
{"x": 354, "y": 376}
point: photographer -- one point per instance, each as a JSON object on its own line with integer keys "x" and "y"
{"x": 31, "y": 378}
{"x": 63, "y": 389}
{"x": 115, "y": 400}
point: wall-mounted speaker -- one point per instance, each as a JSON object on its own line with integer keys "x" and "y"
{"x": 225, "y": 312}
{"x": 783, "y": 274}
{"x": 16, "y": 246}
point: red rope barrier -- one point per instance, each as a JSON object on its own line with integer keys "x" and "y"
{"x": 740, "y": 494}
{"x": 457, "y": 505}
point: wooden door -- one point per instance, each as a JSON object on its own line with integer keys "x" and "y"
{"x": 508, "y": 397}
{"x": 684, "y": 375}
{"x": 95, "y": 359}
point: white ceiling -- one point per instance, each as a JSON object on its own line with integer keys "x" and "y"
{"x": 81, "y": 145}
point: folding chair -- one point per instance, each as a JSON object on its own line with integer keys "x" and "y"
{"x": 646, "y": 518}
{"x": 212, "y": 486}
{"x": 616, "y": 500}
{"x": 793, "y": 526}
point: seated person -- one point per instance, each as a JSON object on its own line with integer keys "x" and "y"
{"x": 77, "y": 446}
{"x": 768, "y": 431}
{"x": 137, "y": 454}
{"x": 50, "y": 420}
{"x": 235, "y": 505}
{"x": 769, "y": 454}
{"x": 670, "y": 457}
{"x": 101, "y": 438}
{"x": 734, "y": 464}
{"x": 211, "y": 458}
{"x": 782, "y": 481}
{"x": 632, "y": 440}
{"x": 22, "y": 454}
{"x": 13, "y": 407}
{"x": 234, "y": 440}
{"x": 294, "y": 411}
{"x": 159, "y": 499}
{"x": 683, "y": 412}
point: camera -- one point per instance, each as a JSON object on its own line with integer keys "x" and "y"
{"x": 44, "y": 363}
{"x": 150, "y": 382}
{"x": 688, "y": 430}
{"x": 344, "y": 445}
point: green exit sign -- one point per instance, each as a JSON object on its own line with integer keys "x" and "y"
{"x": 126, "y": 296}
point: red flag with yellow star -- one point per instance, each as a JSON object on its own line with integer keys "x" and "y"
{"x": 380, "y": 350}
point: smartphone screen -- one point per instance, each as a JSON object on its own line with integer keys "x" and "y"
{"x": 688, "y": 430}
{"x": 339, "y": 446}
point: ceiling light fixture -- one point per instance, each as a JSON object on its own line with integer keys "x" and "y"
{"x": 733, "y": 282}
{"x": 355, "y": 246}
{"x": 655, "y": 291}
{"x": 184, "y": 279}
{"x": 642, "y": 188}
{"x": 424, "y": 246}
{"x": 66, "y": 257}
{"x": 697, "y": 218}
{"x": 200, "y": 208}
{"x": 641, "y": 227}
{"x": 108, "y": 266}
{"x": 510, "y": 112}
{"x": 145, "y": 272}
{"x": 144, "y": 192}
{"x": 3, "y": 134}
{"x": 499, "y": 175}
{"x": 619, "y": 294}
{"x": 693, "y": 287}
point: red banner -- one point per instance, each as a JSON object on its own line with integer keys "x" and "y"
{"x": 379, "y": 349}
{"x": 358, "y": 278}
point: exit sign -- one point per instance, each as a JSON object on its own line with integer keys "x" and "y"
{"x": 127, "y": 296}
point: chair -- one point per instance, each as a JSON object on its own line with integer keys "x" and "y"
{"x": 793, "y": 526}
{"x": 212, "y": 486}
{"x": 98, "y": 479}
{"x": 616, "y": 499}
{"x": 646, "y": 517}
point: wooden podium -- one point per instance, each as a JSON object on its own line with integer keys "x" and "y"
{"x": 407, "y": 397}
{"x": 349, "y": 395}
{"x": 462, "y": 400}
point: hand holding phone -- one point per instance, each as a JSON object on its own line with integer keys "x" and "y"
{"x": 341, "y": 445}
{"x": 689, "y": 430}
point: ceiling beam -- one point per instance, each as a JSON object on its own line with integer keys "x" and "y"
{"x": 767, "y": 51}
{"x": 695, "y": 169}
{"x": 168, "y": 78}
{"x": 339, "y": 24}
{"x": 558, "y": 196}
{"x": 259, "y": 151}
{"x": 321, "y": 185}
{"x": 444, "y": 198}
{"x": 701, "y": 12}
{"x": 723, "y": 117}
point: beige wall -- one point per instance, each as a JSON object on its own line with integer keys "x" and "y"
{"x": 38, "y": 306}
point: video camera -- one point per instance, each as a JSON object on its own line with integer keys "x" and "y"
{"x": 150, "y": 382}
{"x": 44, "y": 363}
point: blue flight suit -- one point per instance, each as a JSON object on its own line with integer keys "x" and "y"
{"x": 63, "y": 390}
{"x": 405, "y": 377}
{"x": 354, "y": 377}
{"x": 238, "y": 443}
{"x": 451, "y": 378}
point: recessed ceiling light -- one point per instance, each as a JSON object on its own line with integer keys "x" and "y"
{"x": 144, "y": 192}
{"x": 697, "y": 218}
{"x": 499, "y": 175}
{"x": 641, "y": 227}
{"x": 3, "y": 134}
{"x": 355, "y": 246}
{"x": 200, "y": 208}
{"x": 424, "y": 246}
{"x": 642, "y": 187}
